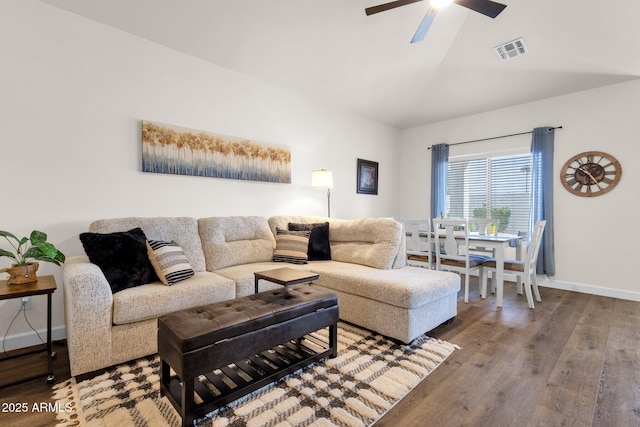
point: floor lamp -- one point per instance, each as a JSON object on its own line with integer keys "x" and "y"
{"x": 323, "y": 178}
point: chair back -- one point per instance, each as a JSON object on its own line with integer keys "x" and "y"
{"x": 446, "y": 244}
{"x": 484, "y": 225}
{"x": 534, "y": 246}
{"x": 418, "y": 232}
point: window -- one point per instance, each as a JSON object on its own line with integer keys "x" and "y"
{"x": 491, "y": 187}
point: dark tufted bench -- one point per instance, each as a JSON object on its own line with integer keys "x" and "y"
{"x": 250, "y": 342}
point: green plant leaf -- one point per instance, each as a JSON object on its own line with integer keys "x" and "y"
{"x": 33, "y": 252}
{"x": 38, "y": 237}
{"x": 7, "y": 234}
{"x": 47, "y": 249}
{"x": 8, "y": 254}
{"x": 45, "y": 252}
{"x": 60, "y": 258}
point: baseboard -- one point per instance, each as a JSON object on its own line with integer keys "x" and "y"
{"x": 578, "y": 287}
{"x": 590, "y": 289}
{"x": 28, "y": 339}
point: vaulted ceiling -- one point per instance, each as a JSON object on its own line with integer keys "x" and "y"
{"x": 329, "y": 50}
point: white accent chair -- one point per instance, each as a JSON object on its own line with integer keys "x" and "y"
{"x": 524, "y": 270}
{"x": 453, "y": 253}
{"x": 419, "y": 247}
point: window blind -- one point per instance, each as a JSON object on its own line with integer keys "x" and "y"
{"x": 491, "y": 187}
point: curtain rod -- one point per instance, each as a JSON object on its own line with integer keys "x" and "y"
{"x": 495, "y": 137}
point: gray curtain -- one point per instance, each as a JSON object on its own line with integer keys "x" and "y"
{"x": 439, "y": 169}
{"x": 542, "y": 196}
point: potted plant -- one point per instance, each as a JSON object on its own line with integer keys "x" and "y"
{"x": 26, "y": 252}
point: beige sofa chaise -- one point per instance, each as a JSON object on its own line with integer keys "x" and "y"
{"x": 367, "y": 271}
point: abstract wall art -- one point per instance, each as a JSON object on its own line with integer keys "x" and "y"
{"x": 180, "y": 151}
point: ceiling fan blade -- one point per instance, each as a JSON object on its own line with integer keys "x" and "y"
{"x": 387, "y": 6}
{"x": 486, "y": 7}
{"x": 424, "y": 26}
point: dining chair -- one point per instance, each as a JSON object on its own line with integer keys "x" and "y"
{"x": 419, "y": 250}
{"x": 452, "y": 240}
{"x": 524, "y": 270}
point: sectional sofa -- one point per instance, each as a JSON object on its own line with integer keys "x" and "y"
{"x": 367, "y": 270}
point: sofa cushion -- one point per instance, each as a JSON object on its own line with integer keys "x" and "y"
{"x": 374, "y": 242}
{"x": 122, "y": 257}
{"x": 169, "y": 261}
{"x": 407, "y": 287}
{"x": 182, "y": 230}
{"x": 291, "y": 246}
{"x": 319, "y": 248}
{"x": 229, "y": 241}
{"x": 243, "y": 276}
{"x": 155, "y": 299}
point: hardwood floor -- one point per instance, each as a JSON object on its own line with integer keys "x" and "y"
{"x": 33, "y": 392}
{"x": 572, "y": 361}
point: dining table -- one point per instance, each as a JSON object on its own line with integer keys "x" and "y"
{"x": 499, "y": 243}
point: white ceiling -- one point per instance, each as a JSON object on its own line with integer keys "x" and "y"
{"x": 329, "y": 50}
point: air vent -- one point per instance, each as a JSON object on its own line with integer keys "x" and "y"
{"x": 511, "y": 50}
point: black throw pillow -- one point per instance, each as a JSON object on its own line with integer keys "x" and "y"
{"x": 319, "y": 248}
{"x": 122, "y": 257}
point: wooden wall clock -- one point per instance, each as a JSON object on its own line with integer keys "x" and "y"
{"x": 591, "y": 173}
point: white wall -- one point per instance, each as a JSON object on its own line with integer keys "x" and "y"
{"x": 72, "y": 97}
{"x": 593, "y": 254}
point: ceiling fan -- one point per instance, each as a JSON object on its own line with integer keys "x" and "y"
{"x": 486, "y": 7}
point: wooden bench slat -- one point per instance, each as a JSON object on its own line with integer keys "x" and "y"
{"x": 203, "y": 391}
{"x": 264, "y": 366}
{"x": 248, "y": 369}
{"x": 218, "y": 383}
{"x": 274, "y": 359}
{"x": 233, "y": 375}
{"x": 288, "y": 353}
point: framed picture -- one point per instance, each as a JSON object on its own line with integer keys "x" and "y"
{"x": 367, "y": 177}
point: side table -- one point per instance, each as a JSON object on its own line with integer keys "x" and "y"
{"x": 44, "y": 285}
{"x": 285, "y": 276}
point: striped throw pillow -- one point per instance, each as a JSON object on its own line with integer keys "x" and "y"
{"x": 169, "y": 261}
{"x": 291, "y": 246}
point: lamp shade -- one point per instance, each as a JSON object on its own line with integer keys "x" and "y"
{"x": 321, "y": 179}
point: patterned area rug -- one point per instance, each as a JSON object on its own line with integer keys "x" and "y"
{"x": 369, "y": 376}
